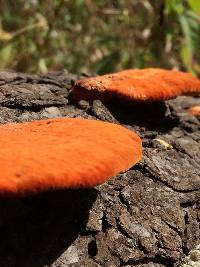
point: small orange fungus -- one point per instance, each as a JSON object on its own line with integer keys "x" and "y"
{"x": 63, "y": 153}
{"x": 194, "y": 110}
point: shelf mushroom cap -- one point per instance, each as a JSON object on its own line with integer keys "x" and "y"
{"x": 63, "y": 153}
{"x": 151, "y": 84}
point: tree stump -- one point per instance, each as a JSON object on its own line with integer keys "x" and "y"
{"x": 148, "y": 216}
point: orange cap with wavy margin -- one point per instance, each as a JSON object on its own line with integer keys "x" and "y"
{"x": 63, "y": 153}
{"x": 151, "y": 84}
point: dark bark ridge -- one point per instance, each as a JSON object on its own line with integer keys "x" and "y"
{"x": 147, "y": 216}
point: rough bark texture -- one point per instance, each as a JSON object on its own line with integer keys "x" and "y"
{"x": 148, "y": 216}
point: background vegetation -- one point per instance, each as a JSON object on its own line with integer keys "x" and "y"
{"x": 99, "y": 35}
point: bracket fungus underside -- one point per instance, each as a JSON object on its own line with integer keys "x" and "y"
{"x": 63, "y": 153}
{"x": 151, "y": 84}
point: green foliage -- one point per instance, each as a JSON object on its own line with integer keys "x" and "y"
{"x": 99, "y": 36}
{"x": 187, "y": 15}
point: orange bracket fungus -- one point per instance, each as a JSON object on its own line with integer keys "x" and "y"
{"x": 63, "y": 153}
{"x": 151, "y": 84}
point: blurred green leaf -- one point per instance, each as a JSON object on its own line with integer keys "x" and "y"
{"x": 42, "y": 65}
{"x": 195, "y": 5}
{"x": 186, "y": 31}
{"x": 174, "y": 6}
{"x": 6, "y": 55}
{"x": 187, "y": 46}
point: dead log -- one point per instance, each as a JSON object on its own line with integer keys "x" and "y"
{"x": 147, "y": 216}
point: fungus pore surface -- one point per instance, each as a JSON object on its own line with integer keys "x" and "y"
{"x": 63, "y": 153}
{"x": 151, "y": 84}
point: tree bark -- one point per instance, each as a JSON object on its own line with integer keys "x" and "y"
{"x": 147, "y": 216}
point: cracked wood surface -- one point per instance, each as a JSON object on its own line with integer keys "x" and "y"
{"x": 148, "y": 216}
